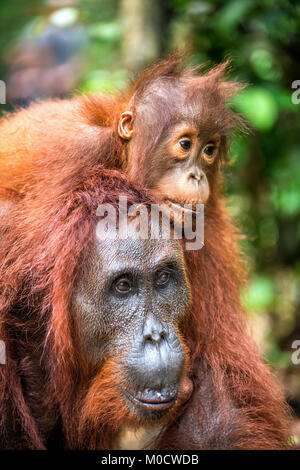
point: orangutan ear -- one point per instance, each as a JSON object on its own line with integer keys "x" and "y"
{"x": 125, "y": 127}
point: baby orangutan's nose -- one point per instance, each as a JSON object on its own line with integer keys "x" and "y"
{"x": 196, "y": 175}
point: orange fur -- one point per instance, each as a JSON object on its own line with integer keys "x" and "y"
{"x": 57, "y": 164}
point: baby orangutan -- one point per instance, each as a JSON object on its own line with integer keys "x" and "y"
{"x": 167, "y": 133}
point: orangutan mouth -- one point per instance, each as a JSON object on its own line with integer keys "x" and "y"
{"x": 178, "y": 206}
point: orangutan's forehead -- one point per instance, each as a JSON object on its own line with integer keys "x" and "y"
{"x": 173, "y": 102}
{"x": 181, "y": 96}
{"x": 163, "y": 92}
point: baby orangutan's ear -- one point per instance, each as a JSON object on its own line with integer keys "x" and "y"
{"x": 125, "y": 127}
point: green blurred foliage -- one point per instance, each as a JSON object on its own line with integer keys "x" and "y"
{"x": 263, "y": 184}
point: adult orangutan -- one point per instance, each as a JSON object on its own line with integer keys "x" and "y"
{"x": 124, "y": 343}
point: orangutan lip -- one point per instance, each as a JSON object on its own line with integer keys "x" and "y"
{"x": 158, "y": 404}
{"x": 181, "y": 207}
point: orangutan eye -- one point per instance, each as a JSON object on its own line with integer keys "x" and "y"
{"x": 123, "y": 285}
{"x": 185, "y": 144}
{"x": 162, "y": 278}
{"x": 209, "y": 150}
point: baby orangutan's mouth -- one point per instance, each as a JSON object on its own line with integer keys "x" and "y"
{"x": 181, "y": 206}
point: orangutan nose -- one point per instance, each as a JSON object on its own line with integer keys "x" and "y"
{"x": 154, "y": 332}
{"x": 196, "y": 175}
{"x": 157, "y": 357}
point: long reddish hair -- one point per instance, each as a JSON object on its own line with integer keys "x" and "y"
{"x": 41, "y": 250}
{"x": 57, "y": 164}
{"x": 40, "y": 253}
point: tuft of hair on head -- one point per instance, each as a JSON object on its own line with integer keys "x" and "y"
{"x": 171, "y": 66}
{"x": 216, "y": 78}
{"x": 174, "y": 66}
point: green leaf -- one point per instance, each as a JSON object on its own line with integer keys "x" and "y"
{"x": 258, "y": 106}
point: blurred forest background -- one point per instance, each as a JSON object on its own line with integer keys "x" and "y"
{"x": 56, "y": 47}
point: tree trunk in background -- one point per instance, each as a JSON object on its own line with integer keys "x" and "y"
{"x": 143, "y": 31}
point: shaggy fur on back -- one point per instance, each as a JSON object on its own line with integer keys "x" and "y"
{"x": 236, "y": 402}
{"x": 58, "y": 162}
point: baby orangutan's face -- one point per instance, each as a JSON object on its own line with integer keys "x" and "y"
{"x": 176, "y": 136}
{"x": 181, "y": 164}
{"x": 185, "y": 158}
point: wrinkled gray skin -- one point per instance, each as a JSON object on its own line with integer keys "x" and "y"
{"x": 139, "y": 327}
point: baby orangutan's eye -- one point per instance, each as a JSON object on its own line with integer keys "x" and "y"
{"x": 210, "y": 150}
{"x": 185, "y": 144}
